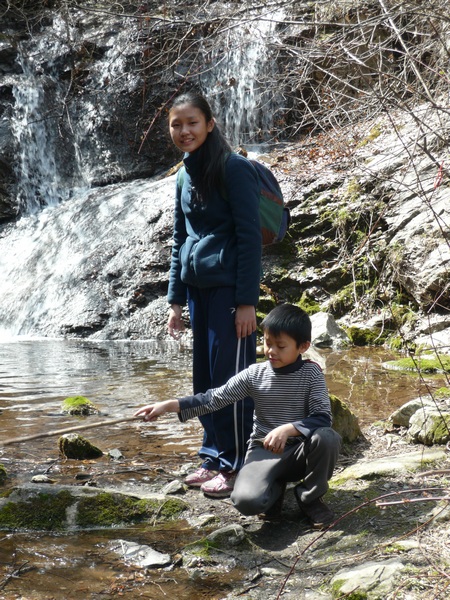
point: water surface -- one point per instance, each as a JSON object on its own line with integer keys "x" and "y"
{"x": 36, "y": 376}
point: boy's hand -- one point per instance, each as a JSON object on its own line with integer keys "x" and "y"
{"x": 152, "y": 411}
{"x": 275, "y": 440}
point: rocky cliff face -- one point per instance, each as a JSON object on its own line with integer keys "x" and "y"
{"x": 369, "y": 201}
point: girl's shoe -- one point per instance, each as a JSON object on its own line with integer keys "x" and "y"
{"x": 199, "y": 477}
{"x": 220, "y": 486}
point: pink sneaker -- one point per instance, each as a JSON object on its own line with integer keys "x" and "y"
{"x": 199, "y": 477}
{"x": 220, "y": 486}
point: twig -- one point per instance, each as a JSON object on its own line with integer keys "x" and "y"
{"x": 36, "y": 436}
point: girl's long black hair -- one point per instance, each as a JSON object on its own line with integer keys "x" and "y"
{"x": 213, "y": 152}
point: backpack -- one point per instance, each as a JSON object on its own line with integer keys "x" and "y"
{"x": 274, "y": 215}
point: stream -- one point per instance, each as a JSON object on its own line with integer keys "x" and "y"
{"x": 36, "y": 375}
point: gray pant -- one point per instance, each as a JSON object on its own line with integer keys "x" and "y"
{"x": 261, "y": 480}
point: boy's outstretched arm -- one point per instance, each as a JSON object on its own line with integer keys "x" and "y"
{"x": 152, "y": 411}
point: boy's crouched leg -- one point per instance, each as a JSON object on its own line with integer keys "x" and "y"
{"x": 321, "y": 454}
{"x": 256, "y": 489}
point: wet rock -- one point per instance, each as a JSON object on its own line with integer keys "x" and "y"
{"x": 345, "y": 422}
{"x": 231, "y": 535}
{"x": 115, "y": 454}
{"x": 140, "y": 555}
{"x": 59, "y": 508}
{"x": 326, "y": 332}
{"x": 79, "y": 405}
{"x": 42, "y": 479}
{"x": 72, "y": 445}
{"x": 3, "y": 474}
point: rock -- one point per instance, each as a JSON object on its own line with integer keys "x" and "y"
{"x": 115, "y": 454}
{"x": 429, "y": 426}
{"x": 58, "y": 508}
{"x": 79, "y": 405}
{"x": 326, "y": 333}
{"x": 174, "y": 487}
{"x": 231, "y": 535}
{"x": 345, "y": 422}
{"x": 42, "y": 479}
{"x": 402, "y": 415}
{"x": 3, "y": 474}
{"x": 387, "y": 467}
{"x": 72, "y": 445}
{"x": 373, "y": 579}
{"x": 140, "y": 555}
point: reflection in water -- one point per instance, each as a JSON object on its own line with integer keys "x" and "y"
{"x": 358, "y": 376}
{"x": 35, "y": 376}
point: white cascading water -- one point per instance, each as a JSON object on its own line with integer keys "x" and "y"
{"x": 42, "y": 256}
{"x": 237, "y": 84}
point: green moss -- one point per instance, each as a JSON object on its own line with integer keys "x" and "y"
{"x": 78, "y": 405}
{"x": 105, "y": 510}
{"x": 336, "y": 591}
{"x": 40, "y": 512}
{"x": 425, "y": 364}
{"x": 442, "y": 393}
{"x": 372, "y": 135}
{"x": 395, "y": 343}
{"x": 3, "y": 474}
{"x": 75, "y": 446}
{"x": 360, "y": 336}
{"x": 344, "y": 421}
{"x": 308, "y": 304}
{"x": 201, "y": 548}
{"x": 344, "y": 300}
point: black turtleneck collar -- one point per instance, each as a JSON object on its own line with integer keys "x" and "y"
{"x": 295, "y": 366}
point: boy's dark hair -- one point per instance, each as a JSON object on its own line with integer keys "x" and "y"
{"x": 289, "y": 319}
{"x": 213, "y": 152}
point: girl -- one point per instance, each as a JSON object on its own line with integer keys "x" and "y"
{"x": 215, "y": 268}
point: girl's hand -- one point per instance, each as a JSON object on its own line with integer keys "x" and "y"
{"x": 245, "y": 320}
{"x": 152, "y": 411}
{"x": 175, "y": 323}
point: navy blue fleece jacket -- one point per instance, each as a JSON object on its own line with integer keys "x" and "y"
{"x": 217, "y": 243}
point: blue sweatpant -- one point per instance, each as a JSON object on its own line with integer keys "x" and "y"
{"x": 215, "y": 360}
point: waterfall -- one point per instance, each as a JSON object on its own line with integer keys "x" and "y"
{"x": 236, "y": 84}
{"x": 81, "y": 259}
{"x": 66, "y": 268}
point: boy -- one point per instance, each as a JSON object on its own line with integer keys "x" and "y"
{"x": 292, "y": 439}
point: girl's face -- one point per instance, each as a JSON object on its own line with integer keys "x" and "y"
{"x": 282, "y": 350}
{"x": 188, "y": 127}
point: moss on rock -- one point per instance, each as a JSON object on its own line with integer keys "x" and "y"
{"x": 72, "y": 445}
{"x": 39, "y": 512}
{"x": 345, "y": 422}
{"x": 425, "y": 364}
{"x": 3, "y": 474}
{"x": 78, "y": 405}
{"x": 360, "y": 336}
{"x": 107, "y": 509}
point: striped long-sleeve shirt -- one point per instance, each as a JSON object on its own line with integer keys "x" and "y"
{"x": 295, "y": 394}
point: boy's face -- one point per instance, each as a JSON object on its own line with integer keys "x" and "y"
{"x": 282, "y": 350}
